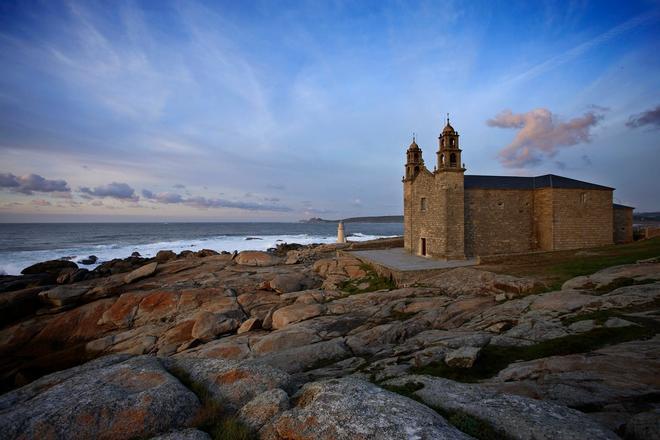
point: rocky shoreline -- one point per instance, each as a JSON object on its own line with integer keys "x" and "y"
{"x": 304, "y": 342}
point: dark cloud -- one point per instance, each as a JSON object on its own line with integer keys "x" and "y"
{"x": 165, "y": 197}
{"x": 541, "y": 134}
{"x": 116, "y": 190}
{"x": 32, "y": 183}
{"x": 649, "y": 117}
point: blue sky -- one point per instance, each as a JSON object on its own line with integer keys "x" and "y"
{"x": 286, "y": 110}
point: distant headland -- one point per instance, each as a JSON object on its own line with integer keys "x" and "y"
{"x": 374, "y": 219}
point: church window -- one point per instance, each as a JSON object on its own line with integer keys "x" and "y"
{"x": 422, "y": 205}
{"x": 452, "y": 160}
{"x": 453, "y": 142}
{"x": 583, "y": 198}
{"x": 442, "y": 159}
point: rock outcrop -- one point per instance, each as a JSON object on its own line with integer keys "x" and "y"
{"x": 279, "y": 346}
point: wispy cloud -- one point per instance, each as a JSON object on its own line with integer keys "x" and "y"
{"x": 648, "y": 117}
{"x": 583, "y": 48}
{"x": 541, "y": 134}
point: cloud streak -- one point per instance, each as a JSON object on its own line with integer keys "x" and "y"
{"x": 200, "y": 202}
{"x": 31, "y": 183}
{"x": 649, "y": 117}
{"x": 541, "y": 134}
{"x": 115, "y": 190}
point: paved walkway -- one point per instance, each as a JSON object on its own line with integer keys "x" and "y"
{"x": 400, "y": 260}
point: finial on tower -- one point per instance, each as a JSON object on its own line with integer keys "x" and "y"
{"x": 413, "y": 136}
{"x": 447, "y": 118}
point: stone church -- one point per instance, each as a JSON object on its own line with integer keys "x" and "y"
{"x": 451, "y": 215}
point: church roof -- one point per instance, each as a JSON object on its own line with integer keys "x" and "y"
{"x": 516, "y": 182}
{"x": 619, "y": 206}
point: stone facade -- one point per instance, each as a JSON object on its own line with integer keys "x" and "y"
{"x": 450, "y": 215}
{"x": 623, "y": 219}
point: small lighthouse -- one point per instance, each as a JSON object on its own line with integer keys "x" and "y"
{"x": 341, "y": 238}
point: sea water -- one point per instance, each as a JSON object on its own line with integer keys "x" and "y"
{"x": 22, "y": 245}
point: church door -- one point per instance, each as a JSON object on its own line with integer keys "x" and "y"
{"x": 423, "y": 247}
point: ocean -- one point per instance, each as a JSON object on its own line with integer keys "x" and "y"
{"x": 22, "y": 245}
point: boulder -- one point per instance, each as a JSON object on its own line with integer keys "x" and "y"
{"x": 463, "y": 357}
{"x": 165, "y": 256}
{"x": 52, "y": 267}
{"x": 206, "y": 253}
{"x": 209, "y": 325}
{"x": 63, "y": 295}
{"x": 141, "y": 272}
{"x": 256, "y": 258}
{"x": 231, "y": 384}
{"x": 512, "y": 416}
{"x": 17, "y": 304}
{"x": 644, "y": 426}
{"x": 467, "y": 280}
{"x": 69, "y": 276}
{"x": 350, "y": 408}
{"x": 184, "y": 434}
{"x": 249, "y": 325}
{"x": 110, "y": 398}
{"x": 614, "y": 374}
{"x": 295, "y": 313}
{"x": 260, "y": 410}
{"x": 290, "y": 282}
{"x": 89, "y": 260}
{"x": 603, "y": 278}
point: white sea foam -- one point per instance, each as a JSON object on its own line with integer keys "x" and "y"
{"x": 13, "y": 263}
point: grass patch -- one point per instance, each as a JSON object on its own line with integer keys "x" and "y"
{"x": 492, "y": 358}
{"x": 554, "y": 268}
{"x": 369, "y": 283}
{"x": 213, "y": 419}
{"x": 473, "y": 426}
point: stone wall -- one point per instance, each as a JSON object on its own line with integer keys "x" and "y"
{"x": 623, "y": 229}
{"x": 441, "y": 223}
{"x": 544, "y": 218}
{"x": 582, "y": 218}
{"x": 650, "y": 232}
{"x": 456, "y": 223}
{"x": 499, "y": 221}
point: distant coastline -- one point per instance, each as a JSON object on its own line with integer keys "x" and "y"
{"x": 373, "y": 219}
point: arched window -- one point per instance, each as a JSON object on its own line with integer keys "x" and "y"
{"x": 453, "y": 142}
{"x": 452, "y": 160}
{"x": 416, "y": 169}
{"x": 442, "y": 159}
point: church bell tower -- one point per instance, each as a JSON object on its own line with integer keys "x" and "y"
{"x": 414, "y": 161}
{"x": 449, "y": 153}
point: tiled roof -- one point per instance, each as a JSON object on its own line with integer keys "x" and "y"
{"x": 516, "y": 182}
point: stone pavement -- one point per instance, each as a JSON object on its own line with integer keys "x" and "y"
{"x": 399, "y": 260}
